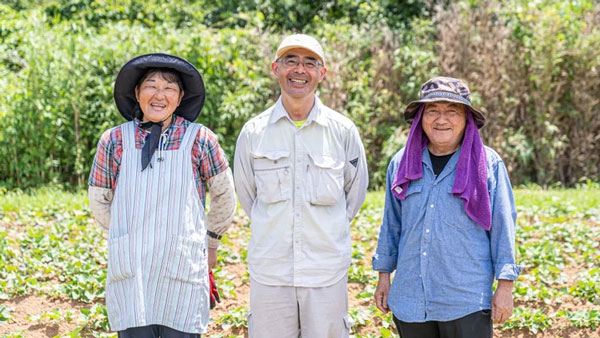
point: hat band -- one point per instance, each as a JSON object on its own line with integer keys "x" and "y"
{"x": 446, "y": 95}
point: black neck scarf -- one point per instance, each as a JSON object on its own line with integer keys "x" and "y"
{"x": 151, "y": 141}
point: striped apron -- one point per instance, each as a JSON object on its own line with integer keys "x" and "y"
{"x": 157, "y": 265}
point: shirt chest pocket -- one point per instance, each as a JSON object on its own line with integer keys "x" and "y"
{"x": 456, "y": 215}
{"x": 273, "y": 177}
{"x": 325, "y": 178}
{"x": 413, "y": 207}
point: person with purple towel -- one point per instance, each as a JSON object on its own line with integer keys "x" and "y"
{"x": 448, "y": 227}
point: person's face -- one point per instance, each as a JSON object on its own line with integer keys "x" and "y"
{"x": 444, "y": 124}
{"x": 295, "y": 78}
{"x": 158, "y": 98}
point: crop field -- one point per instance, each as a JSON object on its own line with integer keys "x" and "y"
{"x": 53, "y": 268}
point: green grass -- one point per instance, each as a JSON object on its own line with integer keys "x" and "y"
{"x": 563, "y": 199}
{"x": 375, "y": 199}
{"x": 43, "y": 198}
{"x": 584, "y": 198}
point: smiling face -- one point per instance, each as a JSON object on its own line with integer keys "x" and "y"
{"x": 444, "y": 124}
{"x": 298, "y": 82}
{"x": 158, "y": 94}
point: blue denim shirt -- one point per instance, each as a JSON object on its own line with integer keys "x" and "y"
{"x": 445, "y": 263}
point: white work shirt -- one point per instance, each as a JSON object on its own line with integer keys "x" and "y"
{"x": 301, "y": 187}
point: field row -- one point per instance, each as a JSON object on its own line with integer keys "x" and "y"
{"x": 55, "y": 254}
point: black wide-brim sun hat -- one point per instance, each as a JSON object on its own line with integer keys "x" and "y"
{"x": 131, "y": 73}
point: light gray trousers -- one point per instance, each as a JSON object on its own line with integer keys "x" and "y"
{"x": 292, "y": 312}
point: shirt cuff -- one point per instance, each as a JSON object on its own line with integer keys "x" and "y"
{"x": 508, "y": 271}
{"x": 383, "y": 263}
{"x": 213, "y": 243}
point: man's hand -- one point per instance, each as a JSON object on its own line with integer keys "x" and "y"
{"x": 382, "y": 291}
{"x": 212, "y": 258}
{"x": 502, "y": 303}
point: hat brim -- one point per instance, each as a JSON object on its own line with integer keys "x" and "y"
{"x": 411, "y": 110}
{"x": 281, "y": 52}
{"x": 131, "y": 73}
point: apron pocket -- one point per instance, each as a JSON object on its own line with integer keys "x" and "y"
{"x": 187, "y": 260}
{"x": 120, "y": 265}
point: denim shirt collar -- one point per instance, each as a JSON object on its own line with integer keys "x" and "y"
{"x": 448, "y": 169}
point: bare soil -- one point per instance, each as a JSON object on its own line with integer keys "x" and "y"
{"x": 25, "y": 306}
{"x": 22, "y": 307}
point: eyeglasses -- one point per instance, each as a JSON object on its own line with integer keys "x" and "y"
{"x": 293, "y": 62}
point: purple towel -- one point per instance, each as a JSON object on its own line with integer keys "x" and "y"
{"x": 470, "y": 182}
{"x": 410, "y": 167}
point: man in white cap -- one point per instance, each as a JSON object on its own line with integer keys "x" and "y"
{"x": 301, "y": 176}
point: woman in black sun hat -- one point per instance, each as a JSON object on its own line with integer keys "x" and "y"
{"x": 147, "y": 187}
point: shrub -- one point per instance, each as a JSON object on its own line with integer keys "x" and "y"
{"x": 534, "y": 67}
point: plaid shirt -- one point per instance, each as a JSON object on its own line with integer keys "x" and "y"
{"x": 207, "y": 156}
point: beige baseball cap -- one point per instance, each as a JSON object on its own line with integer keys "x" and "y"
{"x": 300, "y": 41}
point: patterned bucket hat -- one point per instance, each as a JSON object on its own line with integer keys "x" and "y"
{"x": 444, "y": 89}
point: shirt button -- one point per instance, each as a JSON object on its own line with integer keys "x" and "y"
{"x": 424, "y": 253}
{"x": 427, "y": 230}
{"x": 431, "y": 206}
{"x": 420, "y": 276}
{"x": 298, "y": 215}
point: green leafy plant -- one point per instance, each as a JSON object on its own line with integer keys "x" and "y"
{"x": 582, "y": 318}
{"x": 235, "y": 318}
{"x": 533, "y": 320}
{"x": 5, "y": 314}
